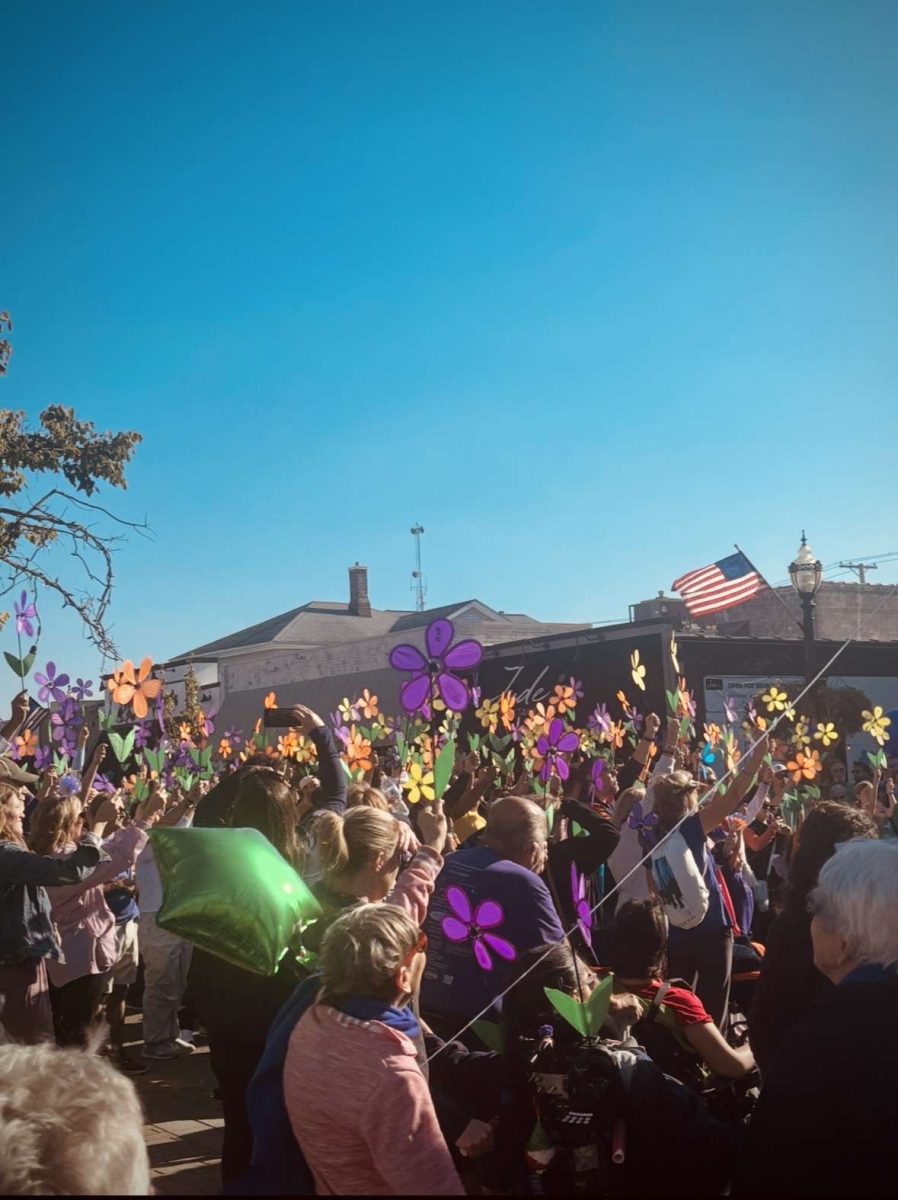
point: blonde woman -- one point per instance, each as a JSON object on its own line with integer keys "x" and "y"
{"x": 358, "y": 1103}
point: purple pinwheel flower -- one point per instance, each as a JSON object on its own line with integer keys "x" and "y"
{"x": 159, "y": 710}
{"x": 341, "y": 732}
{"x": 25, "y": 614}
{"x": 643, "y": 824}
{"x": 69, "y": 785}
{"x": 465, "y": 926}
{"x": 206, "y": 728}
{"x": 599, "y": 719}
{"x": 234, "y": 735}
{"x": 597, "y": 774}
{"x": 476, "y": 695}
{"x": 552, "y": 745}
{"x": 689, "y": 701}
{"x": 51, "y": 684}
{"x": 581, "y": 904}
{"x": 43, "y": 756}
{"x": 730, "y": 710}
{"x": 634, "y": 716}
{"x": 142, "y": 735}
{"x": 432, "y": 675}
{"x": 102, "y": 784}
{"x": 577, "y": 686}
{"x": 82, "y": 689}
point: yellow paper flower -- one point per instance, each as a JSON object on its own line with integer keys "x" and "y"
{"x": 637, "y": 670}
{"x": 287, "y": 744}
{"x": 270, "y": 701}
{"x": 367, "y": 705}
{"x": 876, "y": 723}
{"x": 826, "y": 733}
{"x": 185, "y": 732}
{"x": 488, "y": 715}
{"x": 346, "y": 711}
{"x": 712, "y": 734}
{"x": 564, "y": 699}
{"x": 775, "y": 700}
{"x": 673, "y": 653}
{"x": 419, "y": 785}
{"x": 800, "y": 734}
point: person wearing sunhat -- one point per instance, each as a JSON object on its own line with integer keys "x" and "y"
{"x": 27, "y": 934}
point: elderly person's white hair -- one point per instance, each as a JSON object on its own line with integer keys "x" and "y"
{"x": 70, "y": 1124}
{"x": 857, "y": 897}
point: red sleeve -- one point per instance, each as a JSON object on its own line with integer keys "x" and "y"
{"x": 686, "y": 1007}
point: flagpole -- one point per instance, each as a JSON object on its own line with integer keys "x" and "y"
{"x": 769, "y": 586}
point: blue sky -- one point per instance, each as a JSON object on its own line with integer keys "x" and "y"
{"x": 591, "y": 290}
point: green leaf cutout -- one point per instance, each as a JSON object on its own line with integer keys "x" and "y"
{"x": 672, "y": 701}
{"x": 16, "y": 665}
{"x": 60, "y": 763}
{"x": 442, "y": 769}
{"x": 121, "y": 746}
{"x": 155, "y": 759}
{"x": 28, "y": 660}
{"x": 491, "y": 1034}
{"x": 474, "y": 742}
{"x": 589, "y": 1017}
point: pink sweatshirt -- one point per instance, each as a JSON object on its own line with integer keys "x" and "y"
{"x": 86, "y": 926}
{"x": 361, "y": 1110}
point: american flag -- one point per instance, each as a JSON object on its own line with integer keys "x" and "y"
{"x": 724, "y": 584}
{"x": 37, "y": 714}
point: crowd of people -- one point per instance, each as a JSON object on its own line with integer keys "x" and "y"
{"x": 620, "y": 982}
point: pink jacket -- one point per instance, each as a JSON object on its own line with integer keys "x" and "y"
{"x": 361, "y": 1110}
{"x": 86, "y": 926}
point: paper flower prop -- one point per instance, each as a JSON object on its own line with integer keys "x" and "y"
{"x": 581, "y": 905}
{"x": 597, "y": 774}
{"x": 43, "y": 756}
{"x": 730, "y": 711}
{"x": 599, "y": 720}
{"x": 552, "y": 746}
{"x": 488, "y": 715}
{"x": 643, "y": 823}
{"x": 637, "y": 670}
{"x": 367, "y": 705}
{"x": 26, "y": 613}
{"x": 419, "y": 785}
{"x": 270, "y": 701}
{"x": 804, "y": 766}
{"x": 876, "y": 723}
{"x": 358, "y": 751}
{"x": 51, "y": 685}
{"x": 674, "y": 658}
{"x": 826, "y": 733}
{"x": 225, "y": 749}
{"x": 614, "y": 735}
{"x": 507, "y": 702}
{"x": 82, "y": 689}
{"x": 432, "y": 676}
{"x": 347, "y": 711}
{"x": 588, "y": 1016}
{"x": 775, "y": 700}
{"x": 134, "y": 688}
{"x": 26, "y": 744}
{"x": 801, "y": 734}
{"x": 474, "y": 927}
{"x": 712, "y": 733}
{"x": 539, "y": 718}
{"x": 564, "y": 698}
{"x": 231, "y": 893}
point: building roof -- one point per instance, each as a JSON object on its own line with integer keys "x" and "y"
{"x": 330, "y": 623}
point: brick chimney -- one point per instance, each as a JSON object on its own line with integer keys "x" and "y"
{"x": 359, "y": 604}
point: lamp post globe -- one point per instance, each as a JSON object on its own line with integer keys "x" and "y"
{"x": 806, "y": 573}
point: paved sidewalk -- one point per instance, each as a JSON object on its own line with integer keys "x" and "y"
{"x": 183, "y": 1123}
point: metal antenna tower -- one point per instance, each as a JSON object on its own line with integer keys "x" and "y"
{"x": 860, "y": 569}
{"x": 419, "y": 588}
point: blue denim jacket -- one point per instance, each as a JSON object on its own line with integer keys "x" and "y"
{"x": 26, "y": 927}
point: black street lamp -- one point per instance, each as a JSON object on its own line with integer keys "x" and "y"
{"x": 806, "y": 573}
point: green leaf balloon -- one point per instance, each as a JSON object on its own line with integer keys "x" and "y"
{"x": 228, "y": 891}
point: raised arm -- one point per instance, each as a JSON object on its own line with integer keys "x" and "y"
{"x": 90, "y": 774}
{"x": 332, "y": 793}
{"x": 722, "y": 805}
{"x": 19, "y": 866}
{"x": 16, "y": 717}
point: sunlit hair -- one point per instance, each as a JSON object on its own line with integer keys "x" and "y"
{"x": 363, "y": 950}
{"x": 857, "y": 897}
{"x": 351, "y": 842}
{"x": 53, "y": 823}
{"x": 363, "y": 795}
{"x": 826, "y": 826}
{"x": 8, "y": 794}
{"x": 639, "y": 940}
{"x": 264, "y": 801}
{"x": 70, "y": 1125}
{"x": 674, "y": 795}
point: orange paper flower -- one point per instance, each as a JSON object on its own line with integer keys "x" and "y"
{"x": 270, "y": 701}
{"x": 507, "y": 702}
{"x": 367, "y": 705}
{"x": 136, "y": 690}
{"x": 358, "y": 752}
{"x": 26, "y": 744}
{"x": 564, "y": 699}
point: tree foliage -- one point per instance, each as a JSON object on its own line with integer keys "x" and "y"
{"x": 76, "y": 454}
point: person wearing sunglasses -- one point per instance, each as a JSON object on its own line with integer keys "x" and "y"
{"x": 358, "y": 1103}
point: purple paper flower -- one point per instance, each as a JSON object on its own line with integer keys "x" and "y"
{"x": 234, "y": 735}
{"x": 643, "y": 824}
{"x": 51, "y": 684}
{"x": 577, "y": 687}
{"x": 552, "y": 746}
{"x": 465, "y": 926}
{"x": 634, "y": 716}
{"x": 475, "y": 695}
{"x": 729, "y": 708}
{"x": 599, "y": 719}
{"x": 82, "y": 689}
{"x": 43, "y": 756}
{"x": 581, "y": 904}
{"x": 689, "y": 700}
{"x": 432, "y": 675}
{"x": 25, "y": 614}
{"x": 206, "y": 728}
{"x": 597, "y": 774}
{"x": 142, "y": 735}
{"x": 102, "y": 784}
{"x": 341, "y": 731}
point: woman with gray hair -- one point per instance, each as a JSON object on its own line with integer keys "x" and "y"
{"x": 829, "y": 1106}
{"x": 357, "y": 1101}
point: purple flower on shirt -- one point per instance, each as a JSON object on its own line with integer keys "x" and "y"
{"x": 475, "y": 926}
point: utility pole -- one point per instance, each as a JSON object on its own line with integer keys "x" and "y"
{"x": 860, "y": 569}
{"x": 416, "y": 532}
